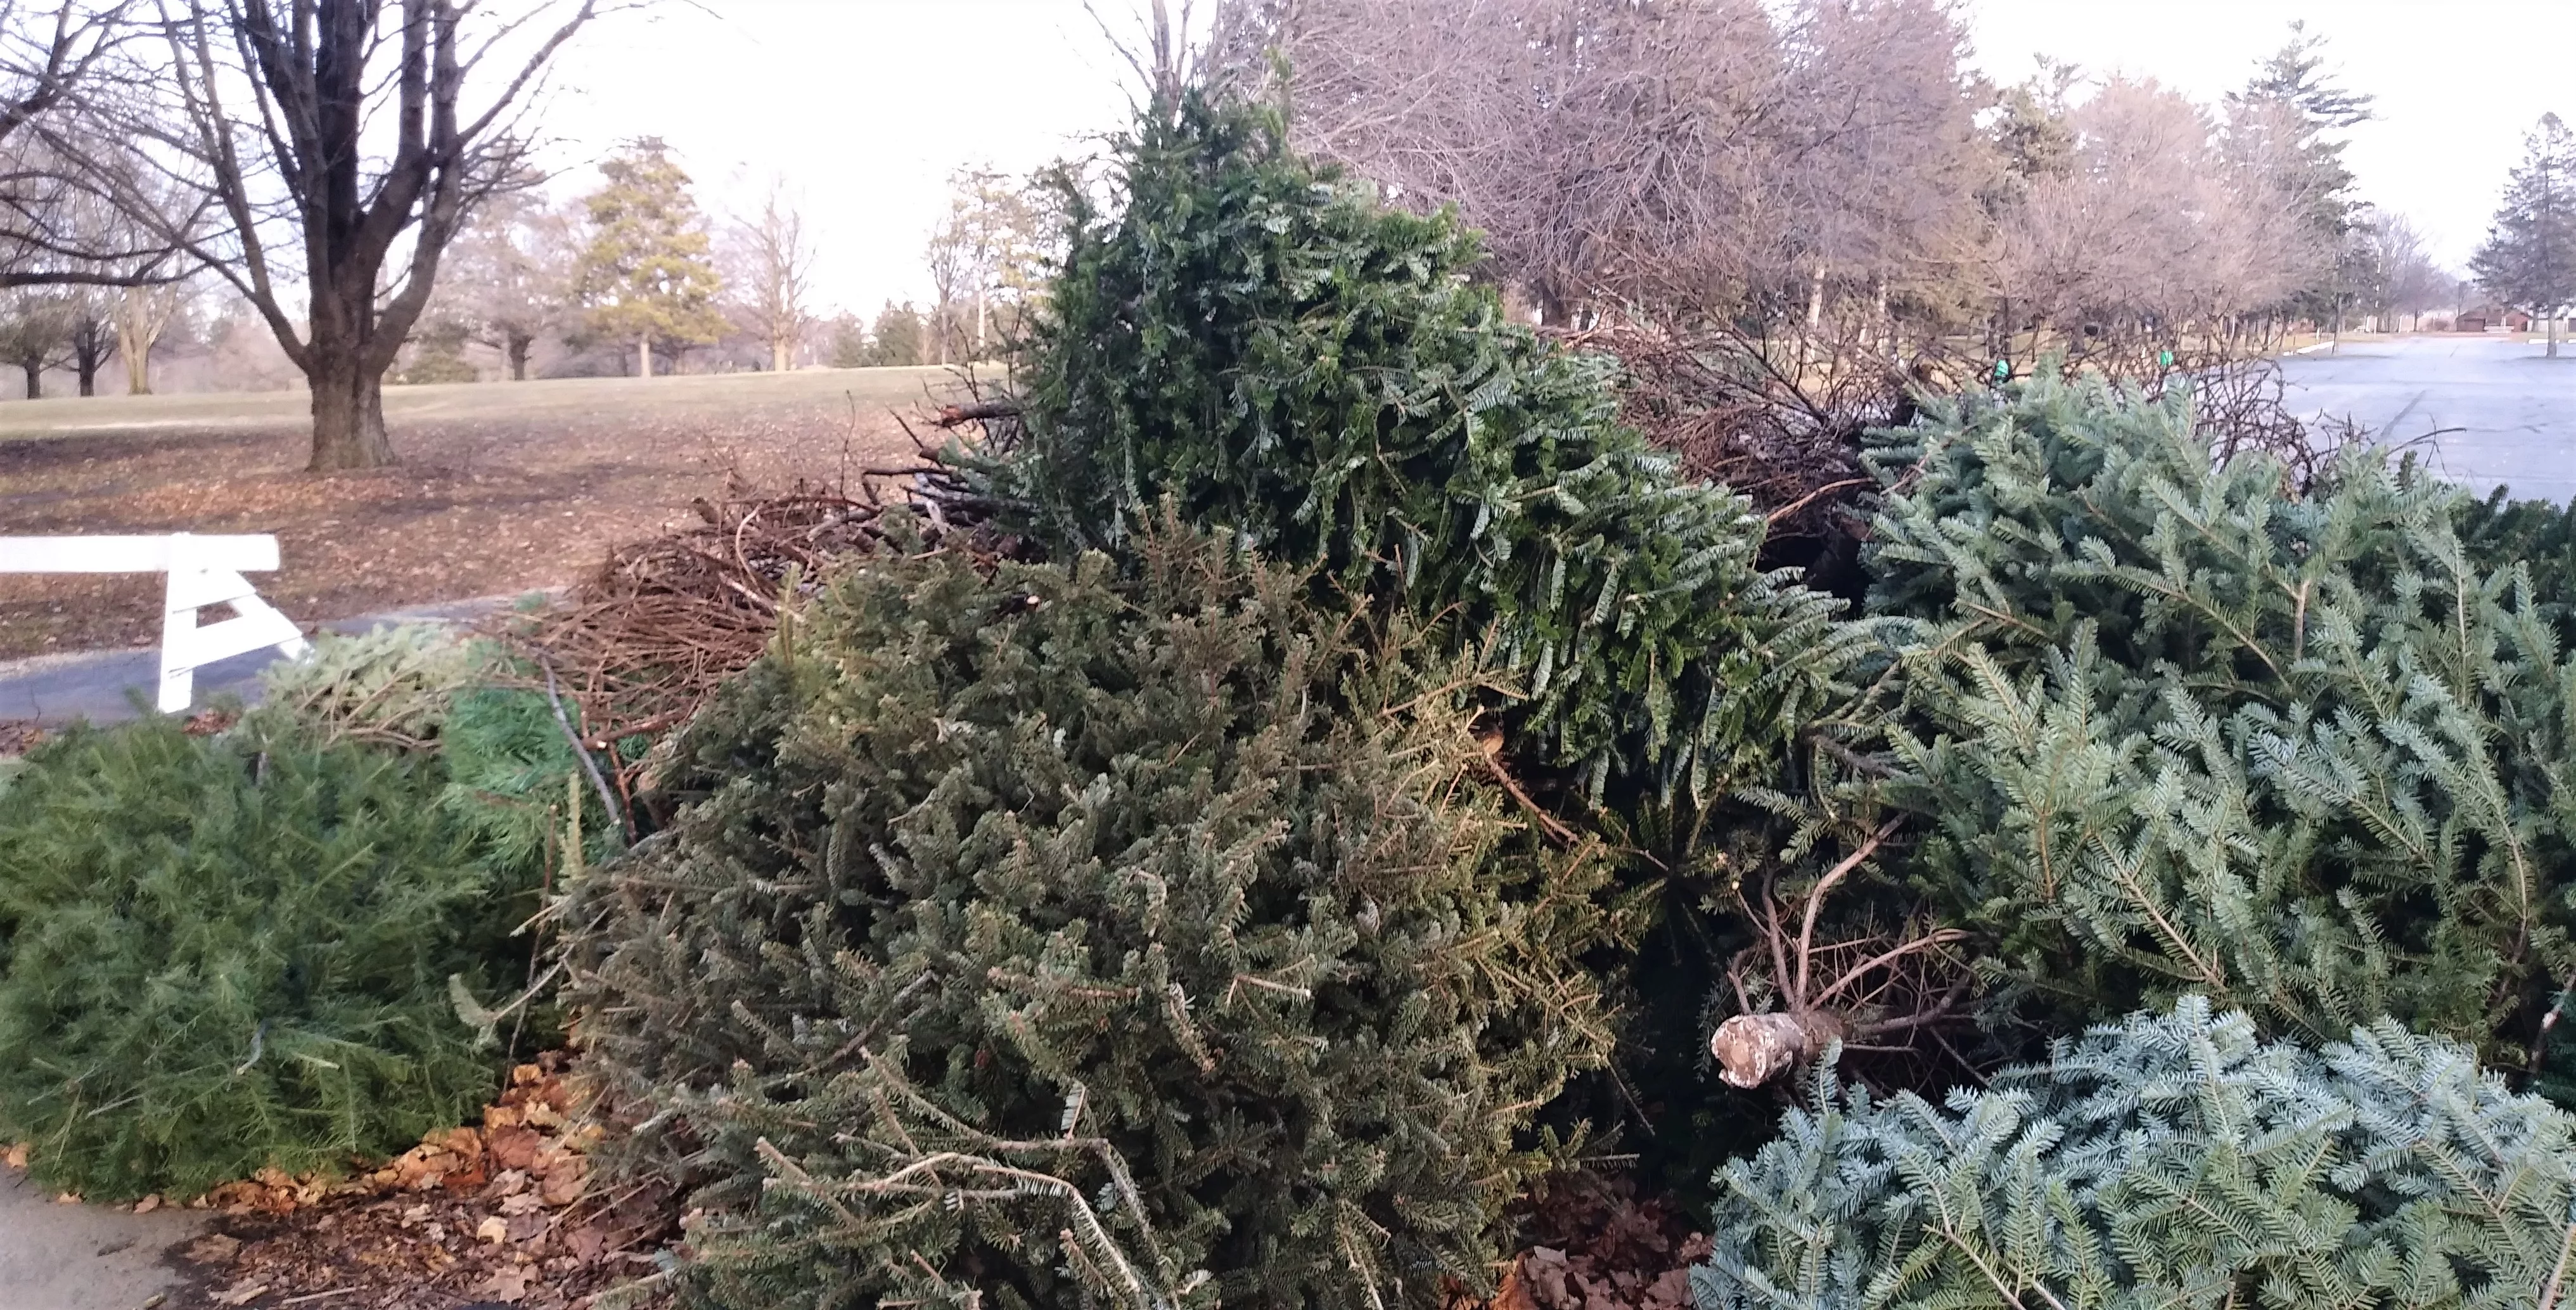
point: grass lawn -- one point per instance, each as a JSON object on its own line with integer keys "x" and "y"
{"x": 503, "y": 487}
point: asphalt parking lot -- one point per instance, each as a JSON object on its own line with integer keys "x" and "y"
{"x": 2485, "y": 410}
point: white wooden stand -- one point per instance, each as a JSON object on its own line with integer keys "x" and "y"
{"x": 202, "y": 572}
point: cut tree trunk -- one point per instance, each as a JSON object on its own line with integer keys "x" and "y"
{"x": 348, "y": 417}
{"x": 1753, "y": 1049}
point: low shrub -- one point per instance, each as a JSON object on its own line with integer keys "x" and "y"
{"x": 2166, "y": 1160}
{"x": 1047, "y": 937}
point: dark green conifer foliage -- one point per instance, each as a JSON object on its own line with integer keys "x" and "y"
{"x": 1062, "y": 936}
{"x": 224, "y": 953}
{"x": 2182, "y": 730}
{"x": 2169, "y": 1161}
{"x": 1315, "y": 375}
{"x": 219, "y": 954}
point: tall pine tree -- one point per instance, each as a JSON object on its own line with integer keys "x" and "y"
{"x": 2529, "y": 258}
{"x": 645, "y": 275}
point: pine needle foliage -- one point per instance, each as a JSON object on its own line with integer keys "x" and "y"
{"x": 2179, "y": 730}
{"x": 2168, "y": 1160}
{"x": 223, "y": 954}
{"x": 1316, "y": 376}
{"x": 1068, "y": 935}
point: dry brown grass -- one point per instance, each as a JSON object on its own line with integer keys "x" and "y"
{"x": 503, "y": 487}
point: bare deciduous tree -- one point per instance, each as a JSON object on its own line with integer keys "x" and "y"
{"x": 2153, "y": 223}
{"x": 987, "y": 251}
{"x": 143, "y": 314}
{"x": 344, "y": 127}
{"x": 773, "y": 273}
{"x": 508, "y": 278}
{"x": 67, "y": 171}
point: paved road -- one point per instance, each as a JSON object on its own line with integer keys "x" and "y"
{"x": 83, "y": 1257}
{"x": 96, "y": 685}
{"x": 2498, "y": 411}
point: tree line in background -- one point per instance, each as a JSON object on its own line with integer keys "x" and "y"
{"x": 1827, "y": 160}
{"x": 631, "y": 278}
{"x": 355, "y": 179}
{"x": 1814, "y": 208}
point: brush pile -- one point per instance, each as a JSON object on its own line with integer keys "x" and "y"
{"x": 645, "y": 639}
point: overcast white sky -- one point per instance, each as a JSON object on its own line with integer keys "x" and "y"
{"x": 867, "y": 105}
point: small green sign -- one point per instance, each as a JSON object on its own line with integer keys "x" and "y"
{"x": 2003, "y": 370}
{"x": 2164, "y": 359}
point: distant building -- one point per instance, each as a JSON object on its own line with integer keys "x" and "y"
{"x": 2480, "y": 318}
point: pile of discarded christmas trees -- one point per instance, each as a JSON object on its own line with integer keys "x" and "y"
{"x": 1299, "y": 804}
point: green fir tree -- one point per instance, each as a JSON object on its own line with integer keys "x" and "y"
{"x": 1039, "y": 938}
{"x": 2171, "y": 1161}
{"x": 1316, "y": 376}
{"x": 2174, "y": 728}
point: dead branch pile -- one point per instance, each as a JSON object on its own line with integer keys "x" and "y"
{"x": 1779, "y": 414}
{"x": 643, "y": 641}
{"x": 1777, "y": 417}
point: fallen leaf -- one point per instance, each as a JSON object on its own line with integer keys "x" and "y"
{"x": 214, "y": 1249}
{"x": 494, "y": 1229}
{"x": 1514, "y": 1294}
{"x": 18, "y": 1155}
{"x": 563, "y": 1184}
{"x": 508, "y": 1284}
{"x": 148, "y": 1204}
{"x": 525, "y": 1227}
{"x": 586, "y": 1243}
{"x": 515, "y": 1148}
{"x": 240, "y": 1293}
{"x": 68, "y": 1198}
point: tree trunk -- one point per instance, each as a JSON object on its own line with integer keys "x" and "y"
{"x": 348, "y": 413}
{"x": 779, "y": 352}
{"x": 35, "y": 381}
{"x": 2553, "y": 336}
{"x": 517, "y": 350}
{"x": 138, "y": 371}
{"x": 89, "y": 376}
{"x": 644, "y": 357}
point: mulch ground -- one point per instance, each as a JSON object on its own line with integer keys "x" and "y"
{"x": 504, "y": 1214}
{"x": 478, "y": 506}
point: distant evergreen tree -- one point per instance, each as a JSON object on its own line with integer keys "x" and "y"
{"x": 896, "y": 339}
{"x": 645, "y": 275}
{"x": 2295, "y": 94}
{"x": 2529, "y": 256}
{"x": 2169, "y": 1161}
